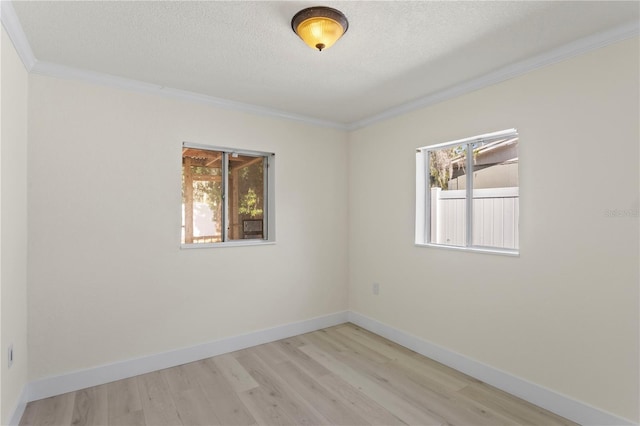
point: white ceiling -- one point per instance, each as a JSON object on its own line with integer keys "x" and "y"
{"x": 394, "y": 53}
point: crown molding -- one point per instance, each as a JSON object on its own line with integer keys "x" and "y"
{"x": 13, "y": 27}
{"x": 61, "y": 71}
{"x": 559, "y": 54}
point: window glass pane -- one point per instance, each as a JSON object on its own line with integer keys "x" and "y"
{"x": 202, "y": 188}
{"x": 246, "y": 197}
{"x": 495, "y": 193}
{"x": 448, "y": 196}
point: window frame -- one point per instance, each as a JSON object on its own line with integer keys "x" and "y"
{"x": 423, "y": 198}
{"x": 269, "y": 224}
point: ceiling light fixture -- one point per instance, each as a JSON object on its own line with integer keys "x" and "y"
{"x": 319, "y": 26}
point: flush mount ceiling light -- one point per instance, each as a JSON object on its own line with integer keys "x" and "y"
{"x": 319, "y": 27}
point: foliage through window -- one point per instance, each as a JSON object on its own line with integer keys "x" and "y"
{"x": 225, "y": 195}
{"x": 467, "y": 193}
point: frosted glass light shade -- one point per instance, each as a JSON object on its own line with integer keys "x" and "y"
{"x": 319, "y": 27}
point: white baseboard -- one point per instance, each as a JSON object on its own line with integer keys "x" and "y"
{"x": 14, "y": 418}
{"x": 76, "y": 380}
{"x": 562, "y": 405}
{"x": 555, "y": 402}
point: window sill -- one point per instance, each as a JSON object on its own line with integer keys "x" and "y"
{"x": 237, "y": 243}
{"x": 502, "y": 252}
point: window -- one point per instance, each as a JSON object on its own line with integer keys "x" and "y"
{"x": 467, "y": 193}
{"x": 227, "y": 196}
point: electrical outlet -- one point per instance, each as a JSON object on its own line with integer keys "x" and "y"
{"x": 10, "y": 355}
{"x": 375, "y": 288}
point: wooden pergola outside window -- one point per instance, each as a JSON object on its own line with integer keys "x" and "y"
{"x": 223, "y": 195}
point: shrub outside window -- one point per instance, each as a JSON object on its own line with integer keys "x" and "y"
{"x": 467, "y": 193}
{"x": 227, "y": 196}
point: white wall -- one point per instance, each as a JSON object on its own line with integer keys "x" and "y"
{"x": 13, "y": 227}
{"x": 109, "y": 282}
{"x": 564, "y": 314}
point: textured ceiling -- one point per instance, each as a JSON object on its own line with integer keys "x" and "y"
{"x": 394, "y": 52}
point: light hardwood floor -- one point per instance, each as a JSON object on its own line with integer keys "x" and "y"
{"x": 342, "y": 375}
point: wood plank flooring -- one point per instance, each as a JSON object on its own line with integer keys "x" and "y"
{"x": 342, "y": 375}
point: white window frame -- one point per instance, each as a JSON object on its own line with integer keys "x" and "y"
{"x": 423, "y": 200}
{"x": 269, "y": 214}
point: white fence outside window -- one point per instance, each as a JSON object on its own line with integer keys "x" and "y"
{"x": 495, "y": 217}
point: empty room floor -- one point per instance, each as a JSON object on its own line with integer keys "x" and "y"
{"x": 342, "y": 375}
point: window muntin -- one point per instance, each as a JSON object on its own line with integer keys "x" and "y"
{"x": 483, "y": 169}
{"x": 226, "y": 196}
